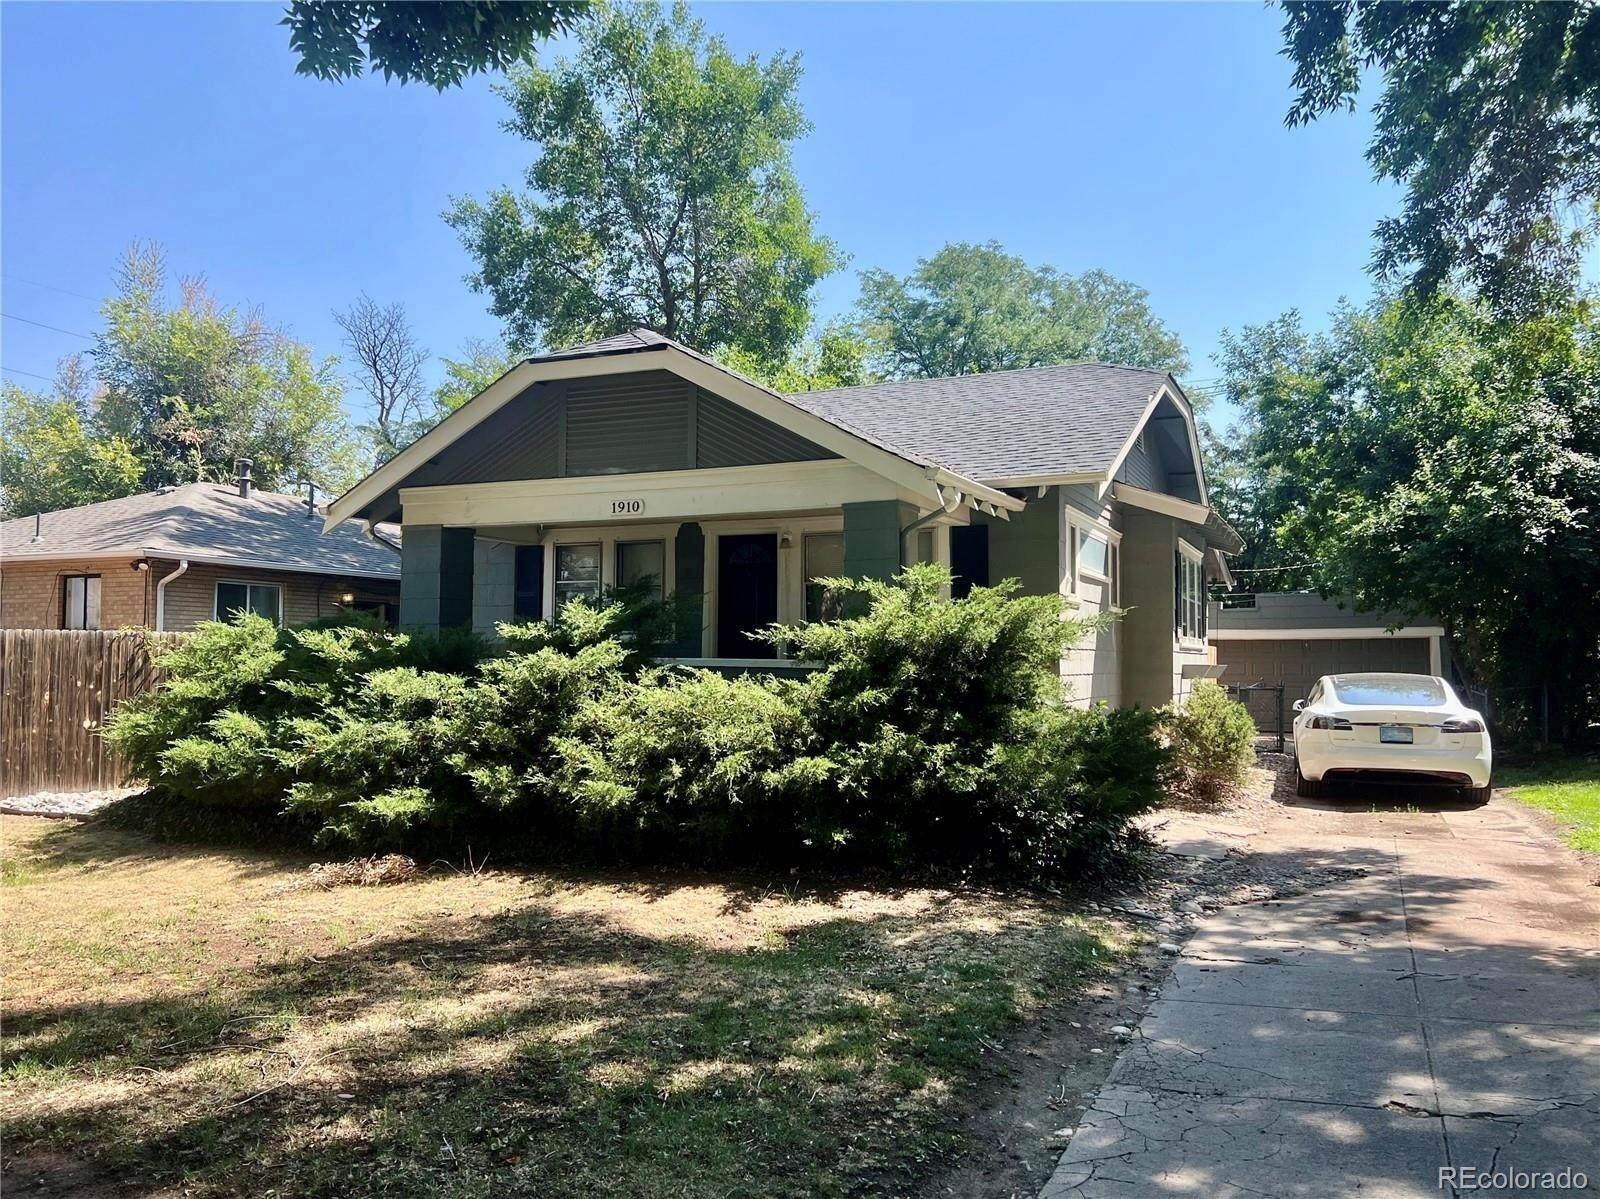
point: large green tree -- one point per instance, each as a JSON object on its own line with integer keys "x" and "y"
{"x": 51, "y": 455}
{"x": 191, "y": 385}
{"x": 970, "y": 308}
{"x": 662, "y": 194}
{"x": 183, "y": 387}
{"x": 1439, "y": 461}
{"x": 1489, "y": 118}
{"x": 438, "y": 44}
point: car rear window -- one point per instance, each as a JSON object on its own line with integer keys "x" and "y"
{"x": 1388, "y": 689}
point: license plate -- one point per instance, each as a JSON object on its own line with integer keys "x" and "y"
{"x": 1394, "y": 734}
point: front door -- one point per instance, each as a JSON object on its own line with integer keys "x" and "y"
{"x": 747, "y": 593}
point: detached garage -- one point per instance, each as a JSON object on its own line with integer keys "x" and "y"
{"x": 1295, "y": 637}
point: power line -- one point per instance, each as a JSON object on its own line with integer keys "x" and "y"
{"x": 42, "y": 325}
{"x": 31, "y": 374}
{"x": 49, "y": 287}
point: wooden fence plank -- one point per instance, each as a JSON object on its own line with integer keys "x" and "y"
{"x": 58, "y": 687}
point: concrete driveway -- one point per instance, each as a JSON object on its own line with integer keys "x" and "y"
{"x": 1440, "y": 1013}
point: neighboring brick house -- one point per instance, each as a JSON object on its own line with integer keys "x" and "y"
{"x": 171, "y": 558}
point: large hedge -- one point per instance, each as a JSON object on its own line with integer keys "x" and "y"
{"x": 932, "y": 734}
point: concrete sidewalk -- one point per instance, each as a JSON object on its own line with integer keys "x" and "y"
{"x": 1442, "y": 1011}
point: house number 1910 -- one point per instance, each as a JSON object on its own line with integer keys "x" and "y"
{"x": 626, "y": 507}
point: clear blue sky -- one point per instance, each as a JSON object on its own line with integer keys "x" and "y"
{"x": 1146, "y": 139}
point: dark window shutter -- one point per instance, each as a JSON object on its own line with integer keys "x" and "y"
{"x": 528, "y": 600}
{"x": 969, "y": 558}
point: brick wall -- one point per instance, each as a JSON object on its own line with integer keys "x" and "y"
{"x": 31, "y": 593}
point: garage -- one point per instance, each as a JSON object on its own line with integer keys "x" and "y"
{"x": 1295, "y": 637}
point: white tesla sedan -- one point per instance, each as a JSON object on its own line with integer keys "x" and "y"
{"x": 1404, "y": 728}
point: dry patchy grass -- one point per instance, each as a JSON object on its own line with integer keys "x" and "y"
{"x": 178, "y": 1018}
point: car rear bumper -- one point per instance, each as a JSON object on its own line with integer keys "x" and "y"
{"x": 1460, "y": 766}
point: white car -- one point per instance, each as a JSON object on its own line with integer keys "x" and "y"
{"x": 1404, "y": 728}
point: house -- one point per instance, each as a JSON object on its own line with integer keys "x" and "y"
{"x": 171, "y": 558}
{"x": 634, "y": 457}
{"x": 1296, "y": 637}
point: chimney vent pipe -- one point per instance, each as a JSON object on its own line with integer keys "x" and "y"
{"x": 242, "y": 467}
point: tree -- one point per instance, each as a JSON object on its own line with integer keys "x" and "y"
{"x": 662, "y": 195}
{"x": 971, "y": 309}
{"x": 388, "y": 363}
{"x": 836, "y": 356}
{"x": 1442, "y": 462}
{"x": 480, "y": 364}
{"x": 50, "y": 456}
{"x": 437, "y": 44}
{"x": 1490, "y": 118}
{"x": 191, "y": 385}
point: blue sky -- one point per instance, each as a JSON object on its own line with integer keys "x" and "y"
{"x": 1146, "y": 139}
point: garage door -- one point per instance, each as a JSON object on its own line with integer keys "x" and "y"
{"x": 1298, "y": 664}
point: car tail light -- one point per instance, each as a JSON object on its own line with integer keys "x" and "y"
{"x": 1461, "y": 726}
{"x": 1329, "y": 722}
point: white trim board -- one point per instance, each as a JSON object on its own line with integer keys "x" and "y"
{"x": 1343, "y": 634}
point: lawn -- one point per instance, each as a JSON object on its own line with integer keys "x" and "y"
{"x": 1566, "y": 787}
{"x": 181, "y": 1018}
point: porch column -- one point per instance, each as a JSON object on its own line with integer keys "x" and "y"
{"x": 872, "y": 538}
{"x": 436, "y": 577}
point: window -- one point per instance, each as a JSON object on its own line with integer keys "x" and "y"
{"x": 1190, "y": 594}
{"x": 577, "y": 573}
{"x": 969, "y": 559}
{"x": 264, "y": 599}
{"x": 824, "y": 560}
{"x": 527, "y": 596}
{"x": 643, "y": 562}
{"x": 1094, "y": 554}
{"x": 80, "y": 602}
{"x": 1410, "y": 690}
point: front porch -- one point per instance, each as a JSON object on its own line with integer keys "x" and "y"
{"x": 710, "y": 539}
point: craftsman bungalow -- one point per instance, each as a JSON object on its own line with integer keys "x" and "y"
{"x": 636, "y": 458}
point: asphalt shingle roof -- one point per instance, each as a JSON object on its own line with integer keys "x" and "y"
{"x": 1048, "y": 420}
{"x": 208, "y": 522}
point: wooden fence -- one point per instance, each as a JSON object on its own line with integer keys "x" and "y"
{"x": 57, "y": 687}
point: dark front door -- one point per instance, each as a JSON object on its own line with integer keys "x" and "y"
{"x": 747, "y": 593}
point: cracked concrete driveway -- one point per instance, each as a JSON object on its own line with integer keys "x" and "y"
{"x": 1443, "y": 1010}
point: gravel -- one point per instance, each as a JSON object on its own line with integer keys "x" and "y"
{"x": 76, "y": 805}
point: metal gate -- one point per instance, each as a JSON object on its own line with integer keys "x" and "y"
{"x": 1264, "y": 702}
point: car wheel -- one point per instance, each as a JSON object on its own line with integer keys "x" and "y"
{"x": 1476, "y": 794}
{"x": 1303, "y": 787}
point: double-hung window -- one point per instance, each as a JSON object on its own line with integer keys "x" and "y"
{"x": 643, "y": 562}
{"x": 264, "y": 599}
{"x": 1190, "y": 593}
{"x": 824, "y": 560}
{"x": 80, "y": 602}
{"x": 577, "y": 573}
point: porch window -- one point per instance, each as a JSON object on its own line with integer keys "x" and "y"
{"x": 577, "y": 573}
{"x": 80, "y": 602}
{"x": 643, "y": 562}
{"x": 824, "y": 560}
{"x": 264, "y": 599}
{"x": 1190, "y": 594}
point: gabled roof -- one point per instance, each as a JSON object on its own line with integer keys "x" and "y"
{"x": 204, "y": 522}
{"x": 966, "y": 437}
{"x": 1043, "y": 421}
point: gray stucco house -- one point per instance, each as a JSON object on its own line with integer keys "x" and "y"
{"x": 635, "y": 457}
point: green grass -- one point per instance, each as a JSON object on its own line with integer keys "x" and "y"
{"x": 509, "y": 1033}
{"x": 1566, "y": 787}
